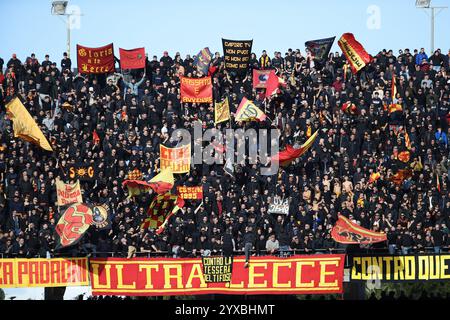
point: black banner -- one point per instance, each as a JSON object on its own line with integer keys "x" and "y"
{"x": 217, "y": 269}
{"x": 426, "y": 267}
{"x": 237, "y": 55}
{"x": 82, "y": 171}
{"x": 320, "y": 48}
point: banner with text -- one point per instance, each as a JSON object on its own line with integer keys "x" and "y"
{"x": 185, "y": 276}
{"x": 178, "y": 159}
{"x": 68, "y": 193}
{"x": 57, "y": 272}
{"x": 95, "y": 60}
{"x": 237, "y": 54}
{"x": 190, "y": 193}
{"x": 196, "y": 90}
{"x": 401, "y": 268}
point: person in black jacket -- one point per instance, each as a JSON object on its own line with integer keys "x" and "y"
{"x": 249, "y": 240}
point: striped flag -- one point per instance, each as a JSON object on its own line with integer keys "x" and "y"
{"x": 407, "y": 141}
{"x": 374, "y": 177}
{"x": 288, "y": 155}
{"x": 393, "y": 88}
{"x": 160, "y": 210}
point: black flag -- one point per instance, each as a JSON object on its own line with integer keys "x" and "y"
{"x": 320, "y": 48}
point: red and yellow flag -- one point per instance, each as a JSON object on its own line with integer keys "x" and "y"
{"x": 349, "y": 108}
{"x": 395, "y": 107}
{"x": 288, "y": 155}
{"x": 355, "y": 53}
{"x": 248, "y": 111}
{"x": 393, "y": 88}
{"x": 401, "y": 176}
{"x": 346, "y": 231}
{"x": 160, "y": 210}
{"x": 404, "y": 156}
{"x": 374, "y": 177}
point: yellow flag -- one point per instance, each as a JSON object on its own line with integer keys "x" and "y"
{"x": 248, "y": 111}
{"x": 221, "y": 111}
{"x": 24, "y": 125}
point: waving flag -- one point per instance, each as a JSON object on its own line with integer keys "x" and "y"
{"x": 320, "y": 48}
{"x": 350, "y": 108}
{"x": 74, "y": 222}
{"x": 221, "y": 111}
{"x": 273, "y": 83}
{"x": 160, "y": 210}
{"x": 374, "y": 177}
{"x": 355, "y": 53}
{"x": 248, "y": 111}
{"x": 393, "y": 88}
{"x": 288, "y": 155}
{"x": 24, "y": 125}
{"x": 401, "y": 176}
{"x": 160, "y": 183}
{"x": 346, "y": 231}
{"x": 132, "y": 59}
{"x": 202, "y": 60}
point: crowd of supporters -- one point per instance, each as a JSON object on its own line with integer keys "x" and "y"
{"x": 133, "y": 113}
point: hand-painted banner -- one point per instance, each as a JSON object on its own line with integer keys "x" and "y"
{"x": 25, "y": 273}
{"x": 317, "y": 274}
{"x": 237, "y": 54}
{"x": 196, "y": 90}
{"x": 95, "y": 60}
{"x": 401, "y": 268}
{"x": 68, "y": 193}
{"x": 190, "y": 193}
{"x": 355, "y": 53}
{"x": 132, "y": 59}
{"x": 221, "y": 111}
{"x": 178, "y": 159}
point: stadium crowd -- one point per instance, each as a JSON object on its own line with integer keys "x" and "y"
{"x": 137, "y": 111}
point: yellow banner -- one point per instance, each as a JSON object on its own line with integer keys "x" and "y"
{"x": 178, "y": 159}
{"x": 221, "y": 111}
{"x": 57, "y": 272}
{"x": 68, "y": 193}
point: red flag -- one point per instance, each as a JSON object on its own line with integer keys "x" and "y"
{"x": 95, "y": 137}
{"x": 260, "y": 78}
{"x": 272, "y": 84}
{"x": 346, "y": 231}
{"x": 132, "y": 59}
{"x": 374, "y": 177}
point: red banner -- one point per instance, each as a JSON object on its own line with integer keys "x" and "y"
{"x": 57, "y": 272}
{"x": 196, "y": 90}
{"x": 95, "y": 60}
{"x": 355, "y": 53}
{"x": 190, "y": 193}
{"x": 346, "y": 231}
{"x": 313, "y": 274}
{"x": 260, "y": 78}
{"x": 132, "y": 59}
